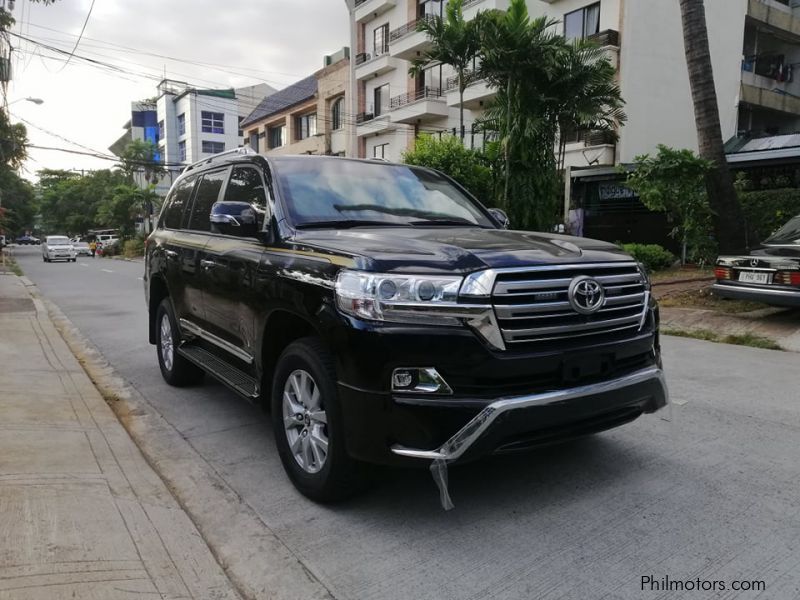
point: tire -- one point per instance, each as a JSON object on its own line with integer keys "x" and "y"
{"x": 337, "y": 475}
{"x": 175, "y": 369}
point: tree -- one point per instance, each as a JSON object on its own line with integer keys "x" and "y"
{"x": 449, "y": 156}
{"x": 141, "y": 156}
{"x": 13, "y": 142}
{"x": 728, "y": 221}
{"x": 17, "y": 204}
{"x": 455, "y": 42}
{"x": 123, "y": 206}
{"x": 673, "y": 181}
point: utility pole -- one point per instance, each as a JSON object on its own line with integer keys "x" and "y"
{"x": 352, "y": 87}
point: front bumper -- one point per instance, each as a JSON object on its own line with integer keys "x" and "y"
{"x": 508, "y": 418}
{"x": 778, "y": 296}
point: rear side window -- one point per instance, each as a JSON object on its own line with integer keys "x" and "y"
{"x": 207, "y": 194}
{"x": 180, "y": 198}
{"x": 246, "y": 185}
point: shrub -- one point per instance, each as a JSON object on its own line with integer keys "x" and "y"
{"x": 133, "y": 248}
{"x": 652, "y": 256}
{"x": 767, "y": 210}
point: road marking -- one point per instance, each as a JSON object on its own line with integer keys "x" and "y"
{"x": 106, "y": 270}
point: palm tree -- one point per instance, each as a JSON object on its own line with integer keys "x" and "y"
{"x": 455, "y": 42}
{"x": 728, "y": 221}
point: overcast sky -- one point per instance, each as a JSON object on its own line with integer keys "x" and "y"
{"x": 253, "y": 41}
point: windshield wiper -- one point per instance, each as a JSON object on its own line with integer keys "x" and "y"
{"x": 458, "y": 222}
{"x": 348, "y": 223}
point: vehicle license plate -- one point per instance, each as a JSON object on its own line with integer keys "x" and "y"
{"x": 749, "y": 277}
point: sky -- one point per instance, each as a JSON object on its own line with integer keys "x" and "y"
{"x": 238, "y": 42}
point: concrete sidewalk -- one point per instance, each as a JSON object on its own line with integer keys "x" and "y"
{"x": 82, "y": 514}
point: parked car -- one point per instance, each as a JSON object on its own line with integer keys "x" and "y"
{"x": 388, "y": 317}
{"x": 2, "y": 242}
{"x": 58, "y": 247}
{"x": 81, "y": 248}
{"x": 108, "y": 240}
{"x": 769, "y": 274}
{"x": 28, "y": 240}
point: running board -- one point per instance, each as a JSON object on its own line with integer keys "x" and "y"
{"x": 235, "y": 379}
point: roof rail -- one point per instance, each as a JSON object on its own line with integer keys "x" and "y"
{"x": 244, "y": 150}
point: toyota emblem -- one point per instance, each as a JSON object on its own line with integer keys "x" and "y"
{"x": 586, "y": 295}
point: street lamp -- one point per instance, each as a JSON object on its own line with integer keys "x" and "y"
{"x": 28, "y": 99}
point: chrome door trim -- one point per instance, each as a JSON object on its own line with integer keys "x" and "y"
{"x": 196, "y": 330}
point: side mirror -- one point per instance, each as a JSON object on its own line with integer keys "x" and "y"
{"x": 234, "y": 218}
{"x": 500, "y": 216}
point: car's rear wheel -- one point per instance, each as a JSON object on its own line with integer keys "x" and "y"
{"x": 308, "y": 424}
{"x": 175, "y": 369}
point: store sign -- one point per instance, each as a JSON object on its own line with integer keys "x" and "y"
{"x": 614, "y": 191}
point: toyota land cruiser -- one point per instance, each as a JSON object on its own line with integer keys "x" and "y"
{"x": 386, "y": 316}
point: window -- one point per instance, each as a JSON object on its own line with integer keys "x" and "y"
{"x": 246, "y": 185}
{"x": 213, "y": 147}
{"x": 430, "y": 8}
{"x": 178, "y": 200}
{"x": 182, "y": 124}
{"x": 182, "y": 151}
{"x": 380, "y": 151}
{"x": 381, "y": 100}
{"x": 254, "y": 140}
{"x": 161, "y": 130}
{"x": 241, "y": 133}
{"x": 305, "y": 126}
{"x": 275, "y": 136}
{"x": 336, "y": 114}
{"x": 207, "y": 194}
{"x": 583, "y": 22}
{"x": 213, "y": 122}
{"x": 380, "y": 40}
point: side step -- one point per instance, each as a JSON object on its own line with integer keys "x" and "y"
{"x": 239, "y": 381}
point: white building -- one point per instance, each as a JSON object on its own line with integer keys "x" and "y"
{"x": 193, "y": 122}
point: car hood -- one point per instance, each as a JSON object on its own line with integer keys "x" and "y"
{"x": 59, "y": 246}
{"x": 451, "y": 249}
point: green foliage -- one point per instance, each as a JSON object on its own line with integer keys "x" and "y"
{"x": 652, "y": 256}
{"x": 673, "y": 181}
{"x": 121, "y": 209}
{"x": 767, "y": 210}
{"x": 139, "y": 157}
{"x": 133, "y": 248}
{"x": 13, "y": 141}
{"x": 449, "y": 156}
{"x": 18, "y": 204}
{"x": 545, "y": 84}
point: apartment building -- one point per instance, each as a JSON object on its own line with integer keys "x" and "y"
{"x": 307, "y": 117}
{"x": 193, "y": 122}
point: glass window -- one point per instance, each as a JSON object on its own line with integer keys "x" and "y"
{"x": 336, "y": 113}
{"x": 182, "y": 124}
{"x": 305, "y": 126}
{"x": 207, "y": 194}
{"x": 246, "y": 185}
{"x": 342, "y": 191}
{"x": 182, "y": 151}
{"x": 213, "y": 122}
{"x": 380, "y": 150}
{"x": 275, "y": 136}
{"x": 583, "y": 22}
{"x": 240, "y": 133}
{"x": 254, "y": 140}
{"x": 213, "y": 147}
{"x": 381, "y": 100}
{"x": 380, "y": 40}
{"x": 178, "y": 200}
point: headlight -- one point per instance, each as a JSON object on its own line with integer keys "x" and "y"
{"x": 401, "y": 298}
{"x": 645, "y": 276}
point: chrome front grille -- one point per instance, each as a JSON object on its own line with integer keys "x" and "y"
{"x": 531, "y": 305}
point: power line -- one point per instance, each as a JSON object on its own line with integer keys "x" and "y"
{"x": 78, "y": 41}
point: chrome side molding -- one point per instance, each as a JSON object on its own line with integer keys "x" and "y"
{"x": 198, "y": 331}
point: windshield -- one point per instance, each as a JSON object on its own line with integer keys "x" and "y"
{"x": 57, "y": 240}
{"x": 788, "y": 234}
{"x": 330, "y": 193}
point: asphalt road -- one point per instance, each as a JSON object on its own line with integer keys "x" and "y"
{"x": 710, "y": 496}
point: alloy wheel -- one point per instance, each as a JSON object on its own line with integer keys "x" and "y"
{"x": 305, "y": 421}
{"x": 166, "y": 342}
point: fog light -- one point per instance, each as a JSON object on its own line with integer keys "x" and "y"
{"x": 424, "y": 380}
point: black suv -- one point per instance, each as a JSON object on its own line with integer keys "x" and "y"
{"x": 386, "y": 316}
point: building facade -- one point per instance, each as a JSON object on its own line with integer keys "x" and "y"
{"x": 307, "y": 117}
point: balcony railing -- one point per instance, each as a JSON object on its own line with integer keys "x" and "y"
{"x": 408, "y": 98}
{"x": 609, "y": 37}
{"x": 360, "y": 2}
{"x": 591, "y": 138}
{"x": 363, "y": 57}
{"x": 364, "y": 117}
{"x": 408, "y": 28}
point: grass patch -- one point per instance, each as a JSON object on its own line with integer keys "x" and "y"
{"x": 11, "y": 264}
{"x": 741, "y": 339}
{"x": 703, "y": 298}
{"x": 681, "y": 273}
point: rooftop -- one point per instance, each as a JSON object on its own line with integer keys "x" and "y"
{"x": 304, "y": 89}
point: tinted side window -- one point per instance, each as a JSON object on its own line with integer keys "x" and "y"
{"x": 178, "y": 200}
{"x": 207, "y": 194}
{"x": 246, "y": 185}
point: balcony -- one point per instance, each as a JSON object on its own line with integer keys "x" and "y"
{"x": 407, "y": 42}
{"x": 369, "y": 9}
{"x": 415, "y": 107}
{"x": 776, "y": 14}
{"x": 367, "y": 123}
{"x": 608, "y": 40}
{"x": 477, "y": 94}
{"x": 368, "y": 66}
{"x": 595, "y": 148}
{"x": 471, "y": 8}
{"x": 773, "y": 99}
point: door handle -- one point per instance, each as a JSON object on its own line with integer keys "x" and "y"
{"x": 170, "y": 254}
{"x": 208, "y": 264}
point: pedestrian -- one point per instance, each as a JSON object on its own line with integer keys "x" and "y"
{"x": 99, "y": 246}
{"x": 92, "y": 247}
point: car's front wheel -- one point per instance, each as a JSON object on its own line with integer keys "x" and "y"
{"x": 175, "y": 369}
{"x": 308, "y": 424}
